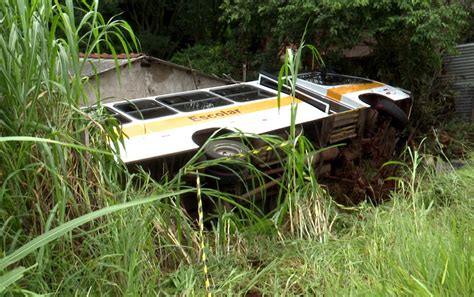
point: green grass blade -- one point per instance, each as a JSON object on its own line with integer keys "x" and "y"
{"x": 46, "y": 140}
{"x": 11, "y": 277}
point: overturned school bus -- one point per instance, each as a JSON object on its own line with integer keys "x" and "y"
{"x": 162, "y": 132}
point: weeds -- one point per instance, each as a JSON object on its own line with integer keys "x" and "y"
{"x": 392, "y": 249}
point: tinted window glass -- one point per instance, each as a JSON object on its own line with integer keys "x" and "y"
{"x": 193, "y": 101}
{"x": 119, "y": 117}
{"x": 144, "y": 109}
{"x": 243, "y": 93}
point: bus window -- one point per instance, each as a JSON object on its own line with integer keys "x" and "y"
{"x": 243, "y": 93}
{"x": 193, "y": 101}
{"x": 144, "y": 109}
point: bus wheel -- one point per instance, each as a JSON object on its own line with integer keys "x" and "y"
{"x": 228, "y": 172}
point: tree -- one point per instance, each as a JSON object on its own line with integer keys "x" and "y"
{"x": 163, "y": 27}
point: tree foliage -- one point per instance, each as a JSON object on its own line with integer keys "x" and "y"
{"x": 409, "y": 32}
{"x": 164, "y": 27}
{"x": 208, "y": 58}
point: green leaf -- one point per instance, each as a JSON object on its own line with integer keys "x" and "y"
{"x": 11, "y": 277}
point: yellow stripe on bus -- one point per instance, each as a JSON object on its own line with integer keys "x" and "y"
{"x": 162, "y": 124}
{"x": 337, "y": 92}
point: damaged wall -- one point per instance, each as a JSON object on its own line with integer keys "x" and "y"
{"x": 143, "y": 76}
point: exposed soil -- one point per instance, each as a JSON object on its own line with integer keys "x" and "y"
{"x": 354, "y": 185}
{"x": 358, "y": 173}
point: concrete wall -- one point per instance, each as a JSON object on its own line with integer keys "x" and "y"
{"x": 148, "y": 77}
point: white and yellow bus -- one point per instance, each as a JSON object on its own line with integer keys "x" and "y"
{"x": 168, "y": 126}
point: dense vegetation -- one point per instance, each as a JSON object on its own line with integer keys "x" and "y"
{"x": 73, "y": 221}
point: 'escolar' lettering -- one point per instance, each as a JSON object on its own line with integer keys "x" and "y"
{"x": 210, "y": 116}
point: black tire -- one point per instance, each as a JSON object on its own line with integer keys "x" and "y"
{"x": 386, "y": 106}
{"x": 228, "y": 173}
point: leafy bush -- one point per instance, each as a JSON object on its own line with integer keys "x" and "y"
{"x": 213, "y": 59}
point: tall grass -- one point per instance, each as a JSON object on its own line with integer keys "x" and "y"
{"x": 306, "y": 203}
{"x": 40, "y": 92}
{"x": 418, "y": 244}
{"x": 47, "y": 173}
